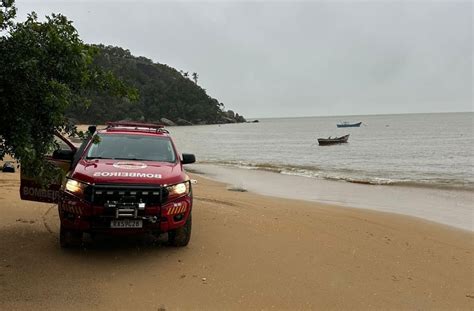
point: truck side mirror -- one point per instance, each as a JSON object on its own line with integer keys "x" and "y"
{"x": 92, "y": 129}
{"x": 188, "y": 158}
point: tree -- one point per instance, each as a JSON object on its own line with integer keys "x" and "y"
{"x": 44, "y": 68}
{"x": 195, "y": 77}
{"x": 164, "y": 93}
{"x": 7, "y": 13}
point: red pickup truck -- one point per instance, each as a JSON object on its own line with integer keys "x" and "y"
{"x": 125, "y": 179}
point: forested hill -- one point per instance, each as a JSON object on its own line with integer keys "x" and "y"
{"x": 163, "y": 93}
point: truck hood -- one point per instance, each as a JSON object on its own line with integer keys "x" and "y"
{"x": 108, "y": 171}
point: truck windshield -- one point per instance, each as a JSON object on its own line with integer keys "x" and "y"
{"x": 132, "y": 147}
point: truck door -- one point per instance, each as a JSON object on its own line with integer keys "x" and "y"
{"x": 31, "y": 189}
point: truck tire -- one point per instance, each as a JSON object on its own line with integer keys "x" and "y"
{"x": 181, "y": 236}
{"x": 69, "y": 238}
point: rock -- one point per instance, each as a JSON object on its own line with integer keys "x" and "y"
{"x": 228, "y": 120}
{"x": 239, "y": 118}
{"x": 167, "y": 122}
{"x": 183, "y": 122}
{"x": 230, "y": 114}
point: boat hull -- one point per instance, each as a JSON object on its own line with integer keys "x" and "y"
{"x": 333, "y": 141}
{"x": 349, "y": 124}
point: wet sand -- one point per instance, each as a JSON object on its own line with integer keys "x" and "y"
{"x": 247, "y": 252}
{"x": 453, "y": 207}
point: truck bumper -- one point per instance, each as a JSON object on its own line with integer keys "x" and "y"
{"x": 76, "y": 214}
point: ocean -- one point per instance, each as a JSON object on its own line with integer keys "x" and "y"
{"x": 425, "y": 150}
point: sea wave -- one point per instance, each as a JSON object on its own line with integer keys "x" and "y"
{"x": 348, "y": 175}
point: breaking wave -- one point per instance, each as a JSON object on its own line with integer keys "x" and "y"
{"x": 348, "y": 175}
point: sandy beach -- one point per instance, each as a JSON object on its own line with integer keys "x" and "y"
{"x": 247, "y": 252}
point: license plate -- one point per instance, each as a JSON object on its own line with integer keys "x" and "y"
{"x": 126, "y": 223}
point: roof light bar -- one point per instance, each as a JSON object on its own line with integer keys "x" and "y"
{"x": 134, "y": 125}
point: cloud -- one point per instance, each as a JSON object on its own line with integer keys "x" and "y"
{"x": 298, "y": 58}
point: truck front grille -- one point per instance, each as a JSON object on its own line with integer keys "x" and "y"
{"x": 150, "y": 195}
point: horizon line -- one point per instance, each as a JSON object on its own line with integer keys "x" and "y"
{"x": 355, "y": 115}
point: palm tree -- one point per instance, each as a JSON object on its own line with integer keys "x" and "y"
{"x": 195, "y": 77}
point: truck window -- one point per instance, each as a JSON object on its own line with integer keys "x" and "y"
{"x": 132, "y": 147}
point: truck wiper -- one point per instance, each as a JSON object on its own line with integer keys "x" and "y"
{"x": 92, "y": 158}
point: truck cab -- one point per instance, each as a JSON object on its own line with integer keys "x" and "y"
{"x": 125, "y": 179}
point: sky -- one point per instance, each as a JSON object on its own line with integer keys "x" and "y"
{"x": 297, "y": 58}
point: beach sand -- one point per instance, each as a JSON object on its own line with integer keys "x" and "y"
{"x": 247, "y": 252}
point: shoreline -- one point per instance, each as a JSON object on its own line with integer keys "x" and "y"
{"x": 447, "y": 207}
{"x": 300, "y": 171}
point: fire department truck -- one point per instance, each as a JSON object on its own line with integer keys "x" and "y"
{"x": 125, "y": 179}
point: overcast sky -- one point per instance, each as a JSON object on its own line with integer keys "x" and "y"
{"x": 286, "y": 58}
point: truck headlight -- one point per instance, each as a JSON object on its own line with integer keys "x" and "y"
{"x": 75, "y": 187}
{"x": 178, "y": 190}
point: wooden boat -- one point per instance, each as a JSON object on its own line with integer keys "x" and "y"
{"x": 332, "y": 141}
{"x": 347, "y": 124}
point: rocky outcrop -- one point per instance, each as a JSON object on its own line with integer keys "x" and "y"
{"x": 183, "y": 122}
{"x": 226, "y": 117}
{"x": 228, "y": 120}
{"x": 231, "y": 117}
{"x": 167, "y": 122}
{"x": 239, "y": 118}
{"x": 230, "y": 114}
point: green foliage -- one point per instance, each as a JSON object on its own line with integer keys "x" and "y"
{"x": 7, "y": 14}
{"x": 164, "y": 93}
{"x": 44, "y": 68}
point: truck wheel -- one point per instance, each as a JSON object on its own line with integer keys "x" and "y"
{"x": 69, "y": 238}
{"x": 182, "y": 235}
